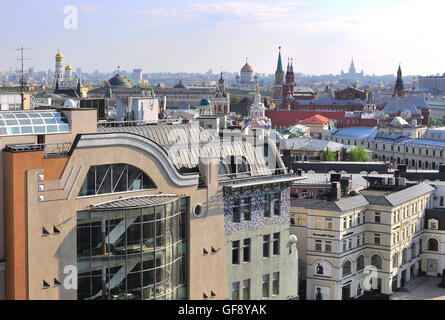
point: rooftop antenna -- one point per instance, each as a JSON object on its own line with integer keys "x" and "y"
{"x": 22, "y": 73}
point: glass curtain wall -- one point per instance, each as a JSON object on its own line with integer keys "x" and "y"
{"x": 133, "y": 254}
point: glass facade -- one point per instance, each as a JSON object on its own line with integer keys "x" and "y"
{"x": 133, "y": 254}
{"x": 113, "y": 178}
{"x": 20, "y": 123}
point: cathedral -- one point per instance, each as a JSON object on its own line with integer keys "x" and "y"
{"x": 64, "y": 80}
{"x": 247, "y": 80}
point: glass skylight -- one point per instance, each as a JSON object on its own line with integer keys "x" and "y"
{"x": 22, "y": 123}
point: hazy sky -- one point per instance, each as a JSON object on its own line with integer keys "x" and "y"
{"x": 194, "y": 36}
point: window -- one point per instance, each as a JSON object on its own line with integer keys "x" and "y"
{"x": 376, "y": 261}
{"x": 344, "y": 223}
{"x": 433, "y": 245}
{"x": 267, "y": 206}
{"x": 395, "y": 260}
{"x": 376, "y": 238}
{"x": 319, "y": 223}
{"x": 346, "y": 270}
{"x": 276, "y": 283}
{"x": 328, "y": 222}
{"x": 235, "y": 252}
{"x": 246, "y": 250}
{"x": 266, "y": 286}
{"x": 113, "y": 178}
{"x": 277, "y": 204}
{"x": 266, "y": 246}
{"x": 328, "y": 245}
{"x": 350, "y": 243}
{"x": 377, "y": 217}
{"x": 235, "y": 291}
{"x": 247, "y": 208}
{"x": 404, "y": 256}
{"x": 350, "y": 221}
{"x": 318, "y": 244}
{"x": 246, "y": 289}
{"x": 361, "y": 263}
{"x": 344, "y": 245}
{"x": 236, "y": 211}
{"x": 276, "y": 244}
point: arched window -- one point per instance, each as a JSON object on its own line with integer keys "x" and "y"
{"x": 433, "y": 245}
{"x": 404, "y": 256}
{"x": 346, "y": 268}
{"x": 113, "y": 178}
{"x": 376, "y": 261}
{"x": 361, "y": 263}
{"x": 413, "y": 250}
{"x": 223, "y": 168}
{"x": 395, "y": 260}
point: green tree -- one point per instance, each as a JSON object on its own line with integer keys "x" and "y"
{"x": 358, "y": 154}
{"x": 329, "y": 155}
{"x": 234, "y": 100}
{"x": 435, "y": 123}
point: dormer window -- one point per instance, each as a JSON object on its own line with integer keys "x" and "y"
{"x": 433, "y": 224}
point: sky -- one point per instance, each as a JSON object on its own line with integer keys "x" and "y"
{"x": 194, "y": 36}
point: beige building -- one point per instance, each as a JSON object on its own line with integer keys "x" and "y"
{"x": 368, "y": 242}
{"x": 138, "y": 212}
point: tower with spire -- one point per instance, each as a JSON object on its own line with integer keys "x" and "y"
{"x": 399, "y": 88}
{"x": 58, "y": 75}
{"x": 289, "y": 86}
{"x": 279, "y": 78}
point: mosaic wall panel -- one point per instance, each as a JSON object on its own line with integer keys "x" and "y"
{"x": 256, "y": 193}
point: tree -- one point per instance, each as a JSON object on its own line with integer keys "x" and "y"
{"x": 329, "y": 155}
{"x": 234, "y": 100}
{"x": 358, "y": 154}
{"x": 435, "y": 123}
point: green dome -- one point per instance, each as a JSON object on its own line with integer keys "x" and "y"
{"x": 205, "y": 102}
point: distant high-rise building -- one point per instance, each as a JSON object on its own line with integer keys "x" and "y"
{"x": 352, "y": 74}
{"x": 137, "y": 75}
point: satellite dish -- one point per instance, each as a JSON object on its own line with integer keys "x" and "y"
{"x": 293, "y": 239}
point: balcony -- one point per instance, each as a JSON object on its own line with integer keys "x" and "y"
{"x": 50, "y": 149}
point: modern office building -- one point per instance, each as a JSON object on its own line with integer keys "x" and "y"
{"x": 142, "y": 212}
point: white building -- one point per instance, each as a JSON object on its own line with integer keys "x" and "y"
{"x": 248, "y": 80}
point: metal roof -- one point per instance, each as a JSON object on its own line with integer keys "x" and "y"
{"x": 136, "y": 202}
{"x": 407, "y": 194}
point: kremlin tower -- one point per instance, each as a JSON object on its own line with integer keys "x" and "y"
{"x": 279, "y": 76}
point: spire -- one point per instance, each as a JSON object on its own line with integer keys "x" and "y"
{"x": 399, "y": 88}
{"x": 279, "y": 65}
{"x": 78, "y": 91}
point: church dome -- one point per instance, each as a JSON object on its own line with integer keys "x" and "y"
{"x": 247, "y": 68}
{"x": 68, "y": 68}
{"x": 118, "y": 81}
{"x": 205, "y": 102}
{"x": 180, "y": 85}
{"x": 59, "y": 56}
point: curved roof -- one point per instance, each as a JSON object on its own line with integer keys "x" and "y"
{"x": 205, "y": 102}
{"x": 180, "y": 85}
{"x": 185, "y": 144}
{"x": 118, "y": 81}
{"x": 136, "y": 202}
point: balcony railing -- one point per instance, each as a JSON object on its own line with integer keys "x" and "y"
{"x": 50, "y": 149}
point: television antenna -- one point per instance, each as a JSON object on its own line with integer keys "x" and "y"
{"x": 22, "y": 72}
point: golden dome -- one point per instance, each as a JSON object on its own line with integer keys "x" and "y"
{"x": 247, "y": 68}
{"x": 68, "y": 67}
{"x": 59, "y": 56}
{"x": 272, "y": 105}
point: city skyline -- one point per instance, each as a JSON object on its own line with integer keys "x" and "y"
{"x": 168, "y": 37}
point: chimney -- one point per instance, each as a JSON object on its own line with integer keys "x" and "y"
{"x": 336, "y": 190}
